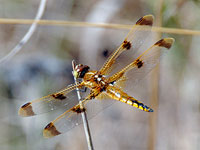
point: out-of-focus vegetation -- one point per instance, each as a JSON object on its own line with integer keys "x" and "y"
{"x": 43, "y": 66}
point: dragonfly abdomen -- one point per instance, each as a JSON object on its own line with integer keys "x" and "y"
{"x": 135, "y": 103}
{"x": 119, "y": 95}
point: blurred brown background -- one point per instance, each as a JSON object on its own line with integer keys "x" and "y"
{"x": 44, "y": 66}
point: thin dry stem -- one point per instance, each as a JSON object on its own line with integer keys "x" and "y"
{"x": 84, "y": 116}
{"x": 28, "y": 35}
{"x": 154, "y": 83}
{"x": 97, "y": 25}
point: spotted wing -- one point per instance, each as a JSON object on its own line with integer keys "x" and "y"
{"x": 63, "y": 123}
{"x": 51, "y": 102}
{"x": 72, "y": 118}
{"x": 144, "y": 63}
{"x": 133, "y": 40}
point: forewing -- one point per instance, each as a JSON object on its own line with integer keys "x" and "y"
{"x": 144, "y": 63}
{"x": 51, "y": 102}
{"x": 135, "y": 38}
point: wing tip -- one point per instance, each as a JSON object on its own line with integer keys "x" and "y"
{"x": 146, "y": 20}
{"x": 149, "y": 17}
{"x": 166, "y": 42}
{"x": 50, "y": 131}
{"x": 26, "y": 110}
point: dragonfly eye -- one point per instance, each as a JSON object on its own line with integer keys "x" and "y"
{"x": 80, "y": 70}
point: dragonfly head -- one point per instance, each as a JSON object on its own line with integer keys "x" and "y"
{"x": 80, "y": 70}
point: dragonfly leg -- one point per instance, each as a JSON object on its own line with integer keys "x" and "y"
{"x": 83, "y": 89}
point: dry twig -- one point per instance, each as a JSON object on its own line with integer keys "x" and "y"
{"x": 28, "y": 35}
{"x": 84, "y": 116}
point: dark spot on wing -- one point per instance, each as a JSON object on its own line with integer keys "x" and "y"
{"x": 26, "y": 110}
{"x": 26, "y": 105}
{"x": 51, "y": 130}
{"x": 78, "y": 109}
{"x": 59, "y": 96}
{"x": 139, "y": 63}
{"x": 164, "y": 43}
{"x": 146, "y": 20}
{"x": 126, "y": 45}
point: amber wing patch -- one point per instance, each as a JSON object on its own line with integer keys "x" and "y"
{"x": 126, "y": 44}
{"x": 146, "y": 20}
{"x": 50, "y": 131}
{"x": 59, "y": 96}
{"x": 78, "y": 109}
{"x": 139, "y": 63}
{"x": 166, "y": 42}
{"x": 26, "y": 110}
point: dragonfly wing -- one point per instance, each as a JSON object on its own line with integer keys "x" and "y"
{"x": 45, "y": 104}
{"x": 135, "y": 38}
{"x": 62, "y": 124}
{"x": 144, "y": 63}
{"x": 95, "y": 106}
{"x": 72, "y": 117}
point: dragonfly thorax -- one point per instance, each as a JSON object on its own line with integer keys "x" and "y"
{"x": 95, "y": 80}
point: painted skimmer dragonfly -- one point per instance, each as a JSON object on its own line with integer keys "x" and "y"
{"x": 99, "y": 84}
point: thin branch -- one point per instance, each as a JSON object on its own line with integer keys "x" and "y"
{"x": 27, "y": 36}
{"x": 84, "y": 116}
{"x": 96, "y": 25}
{"x": 154, "y": 87}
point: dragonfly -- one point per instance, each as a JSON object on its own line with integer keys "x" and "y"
{"x": 101, "y": 85}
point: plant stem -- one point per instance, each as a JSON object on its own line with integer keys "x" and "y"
{"x": 28, "y": 35}
{"x": 97, "y": 25}
{"x": 84, "y": 116}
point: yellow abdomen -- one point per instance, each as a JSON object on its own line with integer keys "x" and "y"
{"x": 117, "y": 94}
